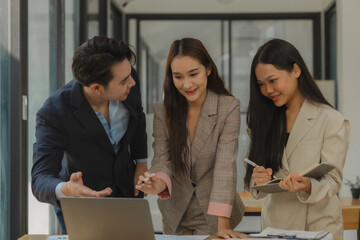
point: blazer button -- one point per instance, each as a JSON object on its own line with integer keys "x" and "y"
{"x": 193, "y": 184}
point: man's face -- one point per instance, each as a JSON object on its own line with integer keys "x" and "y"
{"x": 119, "y": 86}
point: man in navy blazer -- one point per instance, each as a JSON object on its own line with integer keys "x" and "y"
{"x": 91, "y": 134}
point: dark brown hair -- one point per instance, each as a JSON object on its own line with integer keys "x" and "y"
{"x": 93, "y": 60}
{"x": 176, "y": 105}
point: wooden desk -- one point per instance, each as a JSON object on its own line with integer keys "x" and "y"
{"x": 252, "y": 206}
{"x": 351, "y": 214}
{"x": 34, "y": 237}
{"x": 350, "y": 210}
{"x": 31, "y": 237}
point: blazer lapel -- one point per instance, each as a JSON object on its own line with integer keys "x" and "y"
{"x": 131, "y": 106}
{"x": 301, "y": 126}
{"x": 205, "y": 125}
{"x": 88, "y": 119}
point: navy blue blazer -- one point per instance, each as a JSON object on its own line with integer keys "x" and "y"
{"x": 71, "y": 138}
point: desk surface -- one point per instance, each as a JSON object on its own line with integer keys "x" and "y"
{"x": 350, "y": 212}
{"x": 34, "y": 237}
{"x": 350, "y": 209}
{"x": 45, "y": 237}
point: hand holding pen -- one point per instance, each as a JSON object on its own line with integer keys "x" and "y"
{"x": 149, "y": 183}
{"x": 260, "y": 174}
{"x": 147, "y": 178}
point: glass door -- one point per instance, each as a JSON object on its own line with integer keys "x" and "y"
{"x": 39, "y": 89}
{"x": 49, "y": 64}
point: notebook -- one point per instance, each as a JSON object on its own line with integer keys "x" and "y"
{"x": 316, "y": 171}
{"x": 107, "y": 218}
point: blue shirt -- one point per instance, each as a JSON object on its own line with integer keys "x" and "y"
{"x": 119, "y": 118}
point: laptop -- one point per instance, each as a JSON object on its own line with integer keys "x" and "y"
{"x": 107, "y": 218}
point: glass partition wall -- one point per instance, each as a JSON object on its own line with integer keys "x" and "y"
{"x": 5, "y": 60}
{"x": 154, "y": 43}
{"x": 49, "y": 67}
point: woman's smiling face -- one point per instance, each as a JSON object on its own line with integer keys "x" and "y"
{"x": 281, "y": 86}
{"x": 190, "y": 78}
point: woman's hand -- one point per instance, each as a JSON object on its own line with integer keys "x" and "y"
{"x": 230, "y": 233}
{"x": 296, "y": 183}
{"x": 141, "y": 168}
{"x": 261, "y": 175}
{"x": 225, "y": 231}
{"x": 153, "y": 186}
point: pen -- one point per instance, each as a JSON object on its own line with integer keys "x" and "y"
{"x": 248, "y": 161}
{"x": 148, "y": 178}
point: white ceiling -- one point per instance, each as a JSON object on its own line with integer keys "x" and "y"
{"x": 160, "y": 35}
{"x": 221, "y": 6}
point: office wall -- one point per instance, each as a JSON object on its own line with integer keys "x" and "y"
{"x": 327, "y": 3}
{"x": 348, "y": 20}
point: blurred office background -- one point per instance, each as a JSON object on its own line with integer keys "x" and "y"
{"x": 39, "y": 37}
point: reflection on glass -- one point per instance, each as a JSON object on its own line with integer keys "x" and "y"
{"x": 93, "y": 6}
{"x": 248, "y": 36}
{"x": 111, "y": 24}
{"x": 225, "y": 54}
{"x": 4, "y": 123}
{"x": 93, "y": 28}
{"x": 93, "y": 18}
{"x": 39, "y": 20}
{"x": 156, "y": 37}
{"x": 71, "y": 36}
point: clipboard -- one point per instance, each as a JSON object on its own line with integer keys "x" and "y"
{"x": 316, "y": 171}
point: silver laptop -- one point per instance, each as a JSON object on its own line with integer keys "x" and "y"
{"x": 107, "y": 218}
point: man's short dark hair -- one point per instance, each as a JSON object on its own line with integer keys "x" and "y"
{"x": 94, "y": 58}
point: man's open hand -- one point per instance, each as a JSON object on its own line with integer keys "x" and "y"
{"x": 76, "y": 188}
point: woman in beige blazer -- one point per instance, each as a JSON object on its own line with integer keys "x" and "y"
{"x": 293, "y": 127}
{"x": 196, "y": 131}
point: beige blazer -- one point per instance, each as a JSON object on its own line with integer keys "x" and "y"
{"x": 319, "y": 134}
{"x": 213, "y": 162}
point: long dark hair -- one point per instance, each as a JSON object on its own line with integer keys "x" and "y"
{"x": 266, "y": 121}
{"x": 176, "y": 106}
